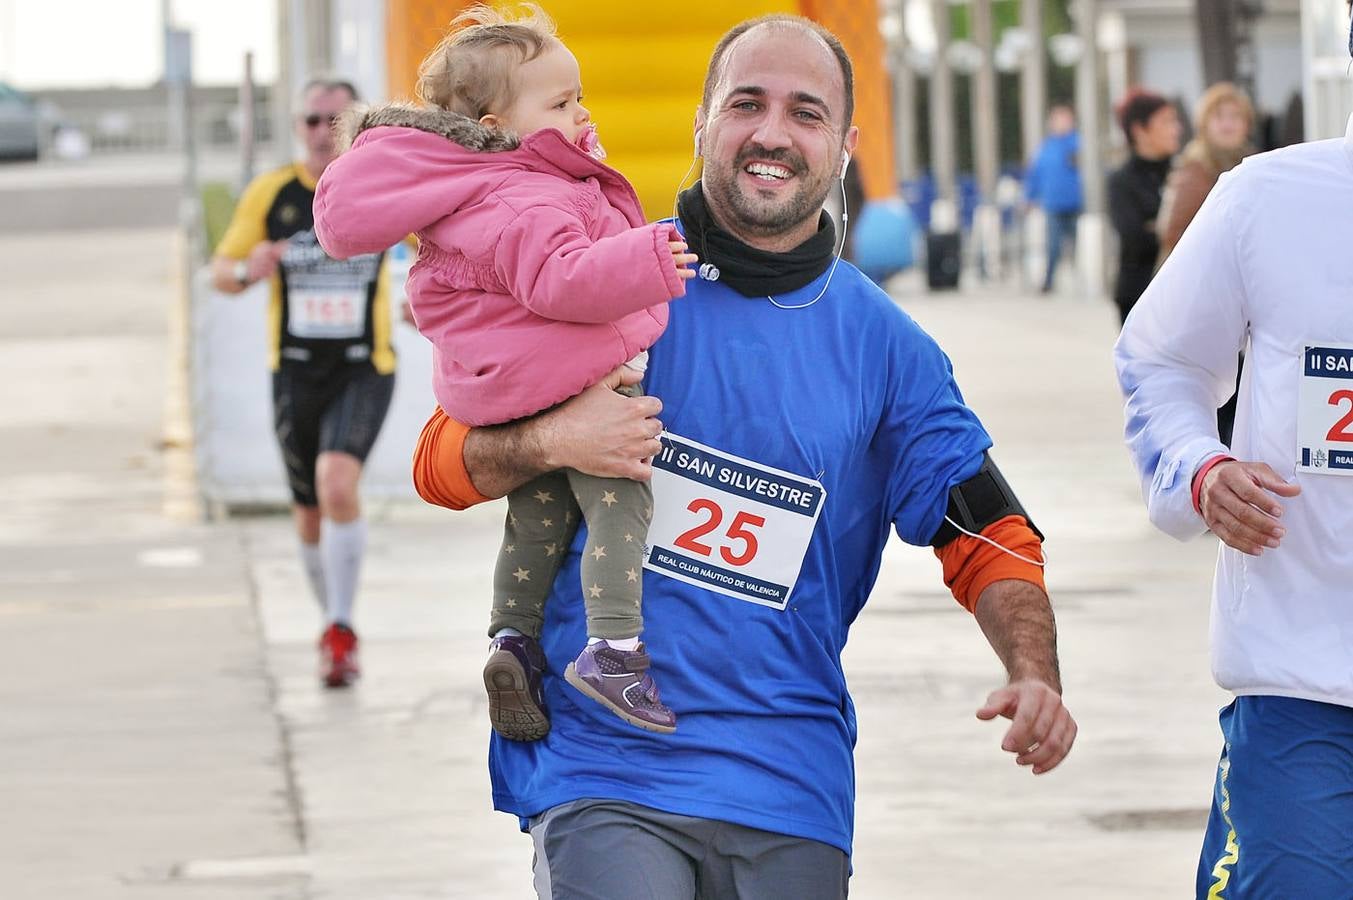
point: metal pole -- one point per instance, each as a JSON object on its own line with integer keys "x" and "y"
{"x": 984, "y": 115}
{"x": 282, "y": 91}
{"x": 304, "y": 51}
{"x": 1092, "y": 232}
{"x": 173, "y": 84}
{"x": 904, "y": 100}
{"x": 1033, "y": 88}
{"x": 247, "y": 138}
{"x": 189, "y": 201}
{"x": 1088, "y": 106}
{"x": 318, "y": 37}
{"x": 986, "y": 151}
{"x": 942, "y": 162}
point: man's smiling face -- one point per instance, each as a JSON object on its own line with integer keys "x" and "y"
{"x": 773, "y": 135}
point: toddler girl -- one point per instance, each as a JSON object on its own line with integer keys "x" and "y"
{"x": 536, "y": 277}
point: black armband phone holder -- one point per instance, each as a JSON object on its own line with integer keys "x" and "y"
{"x": 976, "y": 503}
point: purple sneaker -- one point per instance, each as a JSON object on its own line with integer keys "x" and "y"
{"x": 619, "y": 681}
{"x": 516, "y": 695}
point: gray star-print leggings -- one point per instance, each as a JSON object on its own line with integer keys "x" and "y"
{"x": 542, "y": 519}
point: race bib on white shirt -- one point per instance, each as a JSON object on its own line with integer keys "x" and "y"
{"x": 1325, "y": 410}
{"x": 729, "y": 524}
{"x": 329, "y": 313}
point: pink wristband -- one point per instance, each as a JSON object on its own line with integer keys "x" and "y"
{"x": 1198, "y": 479}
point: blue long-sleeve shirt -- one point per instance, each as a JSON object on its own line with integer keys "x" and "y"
{"x": 844, "y": 410}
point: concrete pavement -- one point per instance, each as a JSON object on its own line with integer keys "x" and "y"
{"x": 165, "y": 735}
{"x": 942, "y": 812}
{"x": 139, "y": 742}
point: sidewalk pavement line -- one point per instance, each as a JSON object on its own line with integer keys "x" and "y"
{"x": 254, "y": 867}
{"x": 295, "y": 802}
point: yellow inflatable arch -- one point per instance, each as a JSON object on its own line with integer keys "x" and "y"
{"x": 643, "y": 65}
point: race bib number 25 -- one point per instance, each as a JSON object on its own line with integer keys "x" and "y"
{"x": 1325, "y": 410}
{"x": 729, "y": 524}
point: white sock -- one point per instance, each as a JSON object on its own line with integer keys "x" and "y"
{"x": 629, "y": 643}
{"x": 341, "y": 546}
{"x": 508, "y": 631}
{"x": 314, "y": 571}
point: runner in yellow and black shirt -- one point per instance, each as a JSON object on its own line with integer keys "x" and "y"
{"x": 332, "y": 360}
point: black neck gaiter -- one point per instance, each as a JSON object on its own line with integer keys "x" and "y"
{"x": 747, "y": 270}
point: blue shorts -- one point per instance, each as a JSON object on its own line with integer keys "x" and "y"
{"x": 1282, "y": 809}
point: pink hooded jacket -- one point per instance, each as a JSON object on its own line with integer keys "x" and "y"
{"x": 536, "y": 274}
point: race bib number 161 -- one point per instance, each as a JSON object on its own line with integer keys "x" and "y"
{"x": 729, "y": 524}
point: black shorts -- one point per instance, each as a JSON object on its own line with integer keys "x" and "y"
{"x": 335, "y": 409}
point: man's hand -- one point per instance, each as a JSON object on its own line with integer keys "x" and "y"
{"x": 1236, "y": 500}
{"x": 604, "y": 433}
{"x": 599, "y": 432}
{"x": 1041, "y": 731}
{"x": 263, "y": 260}
{"x": 1017, "y": 619}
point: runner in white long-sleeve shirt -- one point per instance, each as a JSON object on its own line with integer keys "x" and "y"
{"x": 1265, "y": 267}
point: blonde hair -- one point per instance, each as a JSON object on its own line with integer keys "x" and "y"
{"x": 1214, "y": 97}
{"x": 1199, "y": 149}
{"x": 470, "y": 71}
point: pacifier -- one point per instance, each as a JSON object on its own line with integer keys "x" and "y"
{"x": 589, "y": 143}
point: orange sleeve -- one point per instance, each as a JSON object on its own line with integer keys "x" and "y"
{"x": 439, "y": 473}
{"x": 971, "y": 566}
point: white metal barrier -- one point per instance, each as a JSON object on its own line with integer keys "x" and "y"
{"x": 238, "y": 462}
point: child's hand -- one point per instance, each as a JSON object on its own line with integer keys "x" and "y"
{"x": 683, "y": 259}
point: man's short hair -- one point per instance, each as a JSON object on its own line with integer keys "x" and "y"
{"x": 833, "y": 43}
{"x": 1137, "y": 108}
{"x": 329, "y": 83}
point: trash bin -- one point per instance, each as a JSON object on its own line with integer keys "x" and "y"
{"x": 943, "y": 260}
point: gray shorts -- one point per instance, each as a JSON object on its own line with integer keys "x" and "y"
{"x": 609, "y": 849}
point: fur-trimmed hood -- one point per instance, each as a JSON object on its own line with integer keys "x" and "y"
{"x": 536, "y": 274}
{"x": 406, "y": 167}
{"x": 451, "y": 125}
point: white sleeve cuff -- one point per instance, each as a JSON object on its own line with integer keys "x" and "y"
{"x": 1169, "y": 495}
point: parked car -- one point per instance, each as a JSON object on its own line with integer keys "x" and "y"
{"x": 20, "y": 122}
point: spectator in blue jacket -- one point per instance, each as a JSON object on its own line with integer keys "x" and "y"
{"x": 1054, "y": 183}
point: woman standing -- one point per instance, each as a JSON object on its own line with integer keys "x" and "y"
{"x": 1223, "y": 122}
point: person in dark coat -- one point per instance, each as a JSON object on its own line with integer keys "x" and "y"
{"x": 1152, "y": 128}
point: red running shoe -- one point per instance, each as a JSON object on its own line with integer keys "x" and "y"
{"x": 338, "y": 656}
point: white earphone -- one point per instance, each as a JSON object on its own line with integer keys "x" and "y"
{"x": 710, "y": 272}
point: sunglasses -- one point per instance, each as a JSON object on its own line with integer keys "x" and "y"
{"x": 314, "y": 120}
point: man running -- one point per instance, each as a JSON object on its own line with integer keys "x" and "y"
{"x": 332, "y": 360}
{"x": 806, "y": 418}
{"x": 1263, "y": 268}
